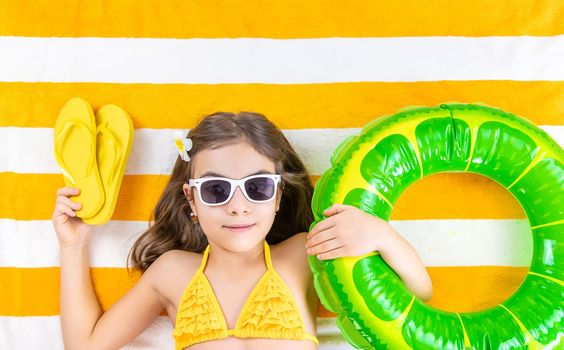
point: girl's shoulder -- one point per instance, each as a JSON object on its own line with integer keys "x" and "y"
{"x": 171, "y": 272}
{"x": 174, "y": 265}
{"x": 295, "y": 244}
{"x": 291, "y": 254}
{"x": 177, "y": 259}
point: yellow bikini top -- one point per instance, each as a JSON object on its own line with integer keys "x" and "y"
{"x": 269, "y": 312}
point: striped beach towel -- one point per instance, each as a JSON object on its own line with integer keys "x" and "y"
{"x": 319, "y": 69}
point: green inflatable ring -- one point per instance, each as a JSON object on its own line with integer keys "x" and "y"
{"x": 374, "y": 309}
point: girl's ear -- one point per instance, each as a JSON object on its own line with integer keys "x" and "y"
{"x": 279, "y": 196}
{"x": 189, "y": 197}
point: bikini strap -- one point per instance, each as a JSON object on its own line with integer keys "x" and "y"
{"x": 267, "y": 257}
{"x": 204, "y": 259}
{"x": 311, "y": 337}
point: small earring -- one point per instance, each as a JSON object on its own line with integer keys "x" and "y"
{"x": 194, "y": 217}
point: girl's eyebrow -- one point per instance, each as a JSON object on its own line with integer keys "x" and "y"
{"x": 214, "y": 174}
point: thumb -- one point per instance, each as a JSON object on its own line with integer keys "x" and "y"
{"x": 334, "y": 209}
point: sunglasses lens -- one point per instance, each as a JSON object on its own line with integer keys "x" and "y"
{"x": 215, "y": 191}
{"x": 260, "y": 188}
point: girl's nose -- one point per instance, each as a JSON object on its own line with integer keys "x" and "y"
{"x": 238, "y": 203}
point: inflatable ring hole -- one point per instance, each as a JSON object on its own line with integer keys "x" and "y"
{"x": 482, "y": 245}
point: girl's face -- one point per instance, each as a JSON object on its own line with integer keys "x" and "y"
{"x": 238, "y": 225}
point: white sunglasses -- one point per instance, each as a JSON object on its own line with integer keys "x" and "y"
{"x": 219, "y": 190}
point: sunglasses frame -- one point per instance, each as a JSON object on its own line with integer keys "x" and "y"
{"x": 234, "y": 184}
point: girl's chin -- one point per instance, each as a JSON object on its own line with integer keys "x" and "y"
{"x": 239, "y": 244}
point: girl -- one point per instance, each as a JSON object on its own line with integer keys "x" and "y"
{"x": 226, "y": 254}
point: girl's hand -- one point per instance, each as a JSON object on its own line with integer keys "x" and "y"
{"x": 348, "y": 231}
{"x": 71, "y": 230}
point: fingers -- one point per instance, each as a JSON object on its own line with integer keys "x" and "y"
{"x": 68, "y": 191}
{"x": 333, "y": 254}
{"x": 63, "y": 204}
{"x": 330, "y": 221}
{"x": 69, "y": 202}
{"x": 64, "y": 209}
{"x": 320, "y": 237}
{"x": 335, "y": 209}
{"x": 321, "y": 226}
{"x": 323, "y": 248}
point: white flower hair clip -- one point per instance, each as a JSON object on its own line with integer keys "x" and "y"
{"x": 183, "y": 145}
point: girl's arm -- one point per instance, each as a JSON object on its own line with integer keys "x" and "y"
{"x": 83, "y": 323}
{"x": 348, "y": 231}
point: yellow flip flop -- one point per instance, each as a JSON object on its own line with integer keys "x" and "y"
{"x": 114, "y": 137}
{"x": 75, "y": 152}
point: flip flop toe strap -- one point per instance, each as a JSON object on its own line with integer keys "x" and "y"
{"x": 115, "y": 145}
{"x": 60, "y": 140}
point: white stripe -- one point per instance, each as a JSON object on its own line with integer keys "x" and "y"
{"x": 330, "y": 336}
{"x": 33, "y": 243}
{"x": 32, "y": 332}
{"x": 439, "y": 242}
{"x": 294, "y": 61}
{"x": 458, "y": 242}
{"x": 44, "y": 332}
{"x": 30, "y": 150}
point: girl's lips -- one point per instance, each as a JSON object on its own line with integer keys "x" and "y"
{"x": 239, "y": 228}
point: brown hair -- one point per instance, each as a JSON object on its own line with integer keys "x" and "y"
{"x": 172, "y": 227}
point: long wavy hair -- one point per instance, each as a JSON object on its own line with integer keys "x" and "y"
{"x": 170, "y": 225}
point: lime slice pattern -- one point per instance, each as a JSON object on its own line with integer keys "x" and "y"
{"x": 371, "y": 170}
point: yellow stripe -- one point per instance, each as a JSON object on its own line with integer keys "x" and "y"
{"x": 441, "y": 196}
{"x": 530, "y": 341}
{"x": 538, "y": 157}
{"x": 456, "y": 196}
{"x": 550, "y": 278}
{"x": 339, "y": 105}
{"x": 34, "y": 196}
{"x": 466, "y": 340}
{"x": 280, "y": 19}
{"x": 35, "y": 291}
{"x": 467, "y": 289}
{"x": 558, "y": 222}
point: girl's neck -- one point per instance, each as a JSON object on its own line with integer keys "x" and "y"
{"x": 236, "y": 262}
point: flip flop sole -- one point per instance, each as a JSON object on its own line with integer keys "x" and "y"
{"x": 75, "y": 152}
{"x": 113, "y": 145}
